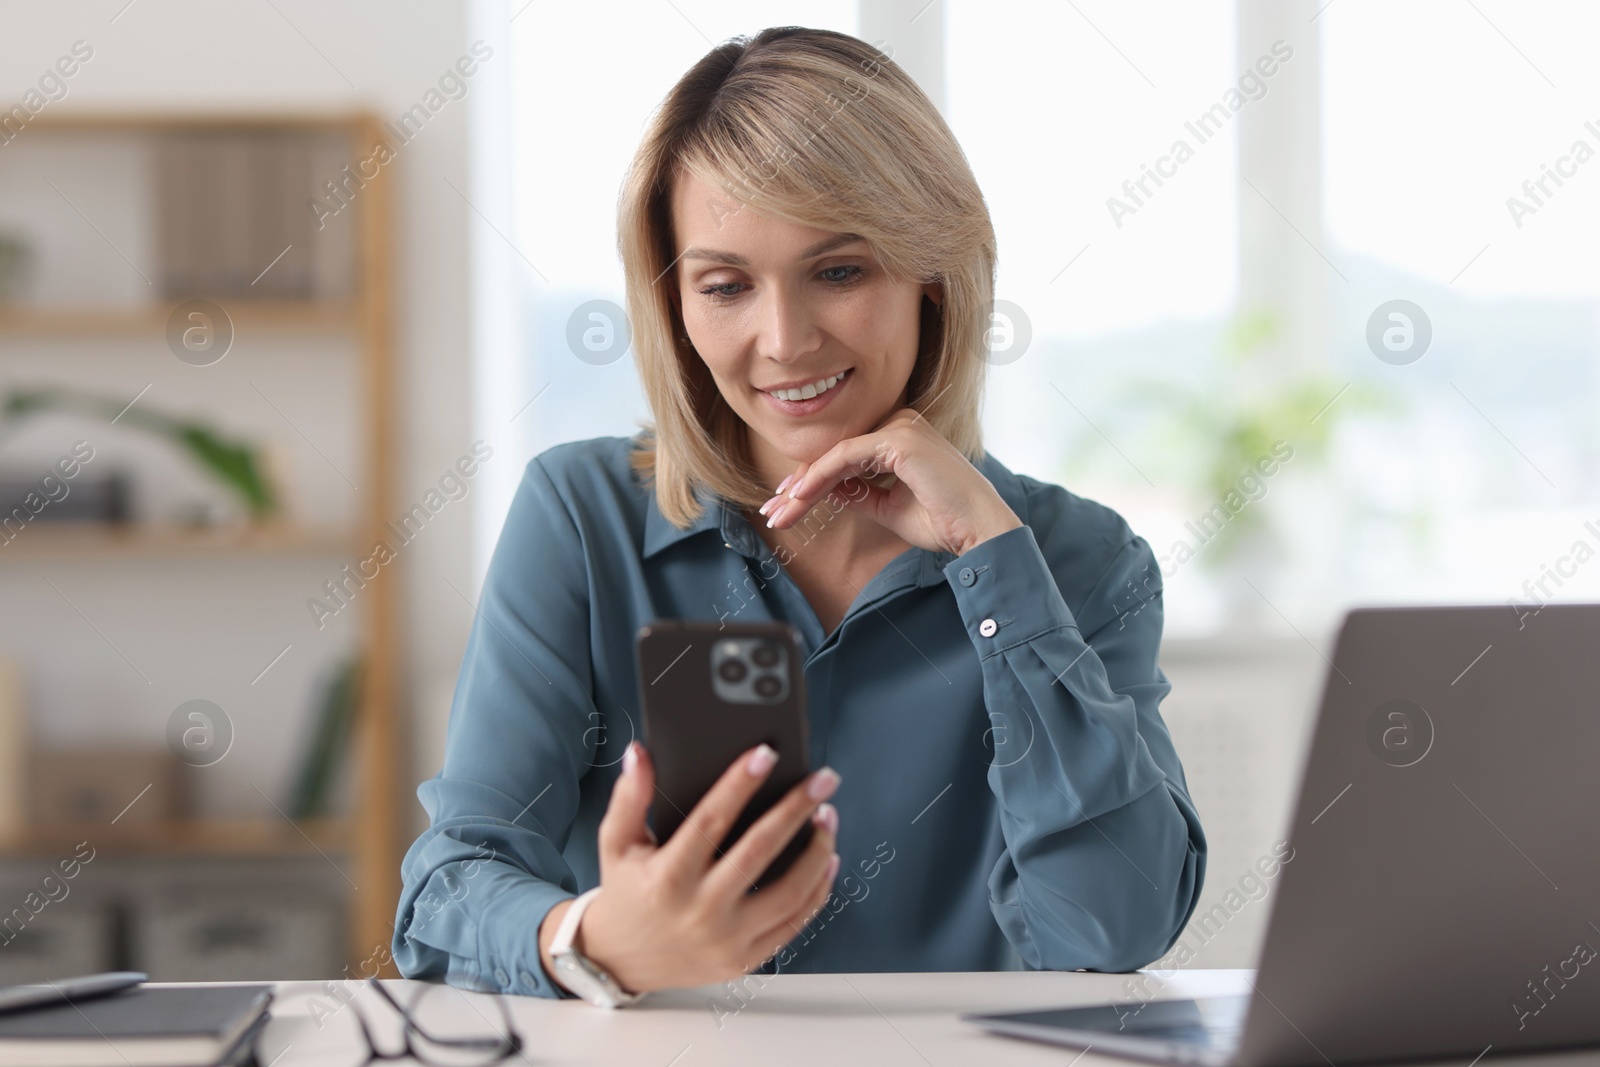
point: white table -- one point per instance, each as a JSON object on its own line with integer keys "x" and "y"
{"x": 827, "y": 1019}
{"x": 830, "y": 1020}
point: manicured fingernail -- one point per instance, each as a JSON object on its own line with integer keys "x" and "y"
{"x": 761, "y": 760}
{"x": 772, "y": 518}
{"x": 827, "y": 816}
{"x": 822, "y": 784}
{"x": 833, "y": 868}
{"x": 762, "y": 510}
{"x": 783, "y": 484}
{"x": 630, "y": 758}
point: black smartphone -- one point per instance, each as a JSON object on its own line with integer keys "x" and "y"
{"x": 709, "y": 691}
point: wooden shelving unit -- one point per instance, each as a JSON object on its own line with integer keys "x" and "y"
{"x": 152, "y": 541}
{"x": 196, "y": 837}
{"x": 369, "y": 837}
{"x": 260, "y": 316}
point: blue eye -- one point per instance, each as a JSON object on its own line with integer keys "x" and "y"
{"x": 719, "y": 293}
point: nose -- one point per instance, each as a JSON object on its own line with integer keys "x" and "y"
{"x": 787, "y": 327}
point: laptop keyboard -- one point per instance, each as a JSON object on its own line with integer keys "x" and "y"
{"x": 1208, "y": 1024}
{"x": 1214, "y": 1022}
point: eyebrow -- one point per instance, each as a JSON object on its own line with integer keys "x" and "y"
{"x": 732, "y": 259}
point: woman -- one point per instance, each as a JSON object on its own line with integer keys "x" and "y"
{"x": 809, "y": 267}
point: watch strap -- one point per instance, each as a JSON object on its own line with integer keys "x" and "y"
{"x": 596, "y": 985}
{"x": 568, "y": 930}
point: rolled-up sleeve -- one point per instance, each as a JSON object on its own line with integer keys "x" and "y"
{"x": 1104, "y": 856}
{"x": 479, "y": 881}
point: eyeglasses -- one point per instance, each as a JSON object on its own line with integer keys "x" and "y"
{"x": 441, "y": 1026}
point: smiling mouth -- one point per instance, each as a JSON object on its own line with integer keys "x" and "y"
{"x": 810, "y": 389}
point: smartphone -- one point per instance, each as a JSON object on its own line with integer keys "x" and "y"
{"x": 708, "y": 692}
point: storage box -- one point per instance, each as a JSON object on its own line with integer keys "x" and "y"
{"x": 225, "y": 937}
{"x": 97, "y": 785}
{"x": 62, "y": 940}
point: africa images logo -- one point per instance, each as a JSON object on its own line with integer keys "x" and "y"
{"x": 1399, "y": 732}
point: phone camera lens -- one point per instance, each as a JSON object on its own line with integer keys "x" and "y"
{"x": 732, "y": 670}
{"x": 768, "y": 685}
{"x": 765, "y": 655}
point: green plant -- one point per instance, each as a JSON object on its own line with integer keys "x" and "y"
{"x": 1214, "y": 431}
{"x": 233, "y": 463}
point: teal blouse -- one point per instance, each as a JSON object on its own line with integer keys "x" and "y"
{"x": 1010, "y": 796}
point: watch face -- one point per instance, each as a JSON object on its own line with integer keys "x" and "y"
{"x": 578, "y": 977}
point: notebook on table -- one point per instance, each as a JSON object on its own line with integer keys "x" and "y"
{"x": 151, "y": 1026}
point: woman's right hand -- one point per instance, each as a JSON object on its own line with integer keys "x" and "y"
{"x": 678, "y": 914}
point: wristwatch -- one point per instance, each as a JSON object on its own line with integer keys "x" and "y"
{"x": 578, "y": 972}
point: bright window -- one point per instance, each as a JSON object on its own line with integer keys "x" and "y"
{"x": 1437, "y": 191}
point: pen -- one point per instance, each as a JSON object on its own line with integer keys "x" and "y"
{"x": 68, "y": 990}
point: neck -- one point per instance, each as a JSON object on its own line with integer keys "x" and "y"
{"x": 843, "y": 533}
{"x": 843, "y": 536}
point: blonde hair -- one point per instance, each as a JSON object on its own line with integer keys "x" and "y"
{"x": 823, "y": 130}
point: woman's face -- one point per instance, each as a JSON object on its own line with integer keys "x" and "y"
{"x": 771, "y": 305}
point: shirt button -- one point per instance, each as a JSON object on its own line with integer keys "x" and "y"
{"x": 988, "y": 627}
{"x": 527, "y": 980}
{"x": 966, "y": 576}
{"x": 501, "y": 976}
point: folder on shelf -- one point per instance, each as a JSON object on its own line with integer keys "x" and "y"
{"x": 234, "y": 218}
{"x": 325, "y": 750}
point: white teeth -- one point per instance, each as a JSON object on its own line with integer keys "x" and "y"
{"x": 806, "y": 392}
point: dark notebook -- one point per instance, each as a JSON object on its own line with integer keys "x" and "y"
{"x": 151, "y": 1026}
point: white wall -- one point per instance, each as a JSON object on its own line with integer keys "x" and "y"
{"x": 1240, "y": 712}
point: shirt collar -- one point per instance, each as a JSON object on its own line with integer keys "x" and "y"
{"x": 660, "y": 534}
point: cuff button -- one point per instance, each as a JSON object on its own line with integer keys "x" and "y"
{"x": 966, "y": 576}
{"x": 988, "y": 627}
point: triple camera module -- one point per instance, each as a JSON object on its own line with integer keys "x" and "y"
{"x": 750, "y": 670}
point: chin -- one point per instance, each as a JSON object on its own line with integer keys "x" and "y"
{"x": 810, "y": 443}
{"x": 807, "y": 446}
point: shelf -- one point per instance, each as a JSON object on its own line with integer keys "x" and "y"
{"x": 259, "y": 316}
{"x": 210, "y": 119}
{"x": 79, "y": 541}
{"x": 197, "y": 837}
{"x": 356, "y": 325}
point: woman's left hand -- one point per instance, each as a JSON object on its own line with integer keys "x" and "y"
{"x": 938, "y": 500}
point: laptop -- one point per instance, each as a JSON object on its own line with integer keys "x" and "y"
{"x": 1444, "y": 899}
